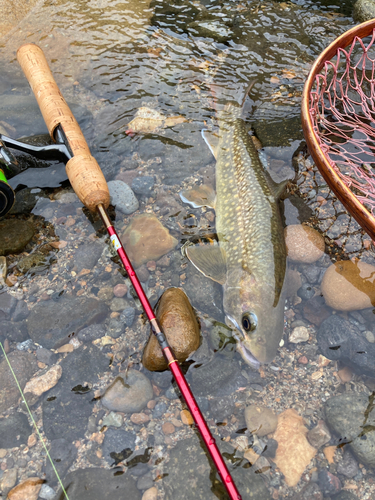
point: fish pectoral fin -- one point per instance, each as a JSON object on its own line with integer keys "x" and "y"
{"x": 278, "y": 189}
{"x": 199, "y": 196}
{"x": 212, "y": 141}
{"x": 210, "y": 260}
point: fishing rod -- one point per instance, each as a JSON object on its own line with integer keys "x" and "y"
{"x": 91, "y": 188}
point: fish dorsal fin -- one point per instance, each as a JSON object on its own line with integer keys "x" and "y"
{"x": 210, "y": 260}
{"x": 199, "y": 196}
{"x": 212, "y": 141}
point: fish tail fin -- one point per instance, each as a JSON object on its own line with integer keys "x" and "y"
{"x": 225, "y": 99}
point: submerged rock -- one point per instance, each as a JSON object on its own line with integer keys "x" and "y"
{"x": 28, "y": 489}
{"x": 260, "y": 420}
{"x": 352, "y": 417}
{"x": 128, "y": 393}
{"x": 349, "y": 286}
{"x": 294, "y": 453}
{"x": 146, "y": 239}
{"x": 180, "y": 325}
{"x": 99, "y": 484}
{"x": 304, "y": 244}
{"x": 63, "y": 454}
{"x": 14, "y": 235}
{"x": 14, "y": 430}
{"x": 192, "y": 475}
{"x": 122, "y": 197}
{"x": 364, "y": 10}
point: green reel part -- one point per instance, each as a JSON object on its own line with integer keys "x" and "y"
{"x": 7, "y": 195}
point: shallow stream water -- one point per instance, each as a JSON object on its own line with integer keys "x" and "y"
{"x": 110, "y": 58}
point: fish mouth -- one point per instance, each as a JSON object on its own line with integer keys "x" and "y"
{"x": 241, "y": 348}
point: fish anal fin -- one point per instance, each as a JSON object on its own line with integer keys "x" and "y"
{"x": 210, "y": 260}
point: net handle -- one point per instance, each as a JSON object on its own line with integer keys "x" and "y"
{"x": 347, "y": 198}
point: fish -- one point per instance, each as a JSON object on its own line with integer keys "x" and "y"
{"x": 250, "y": 258}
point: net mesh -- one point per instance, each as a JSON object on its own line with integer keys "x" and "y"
{"x": 342, "y": 110}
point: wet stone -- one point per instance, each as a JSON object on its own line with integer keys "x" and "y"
{"x": 222, "y": 408}
{"x": 306, "y": 291}
{"x": 21, "y": 311}
{"x": 83, "y": 365}
{"x": 192, "y": 477}
{"x": 319, "y": 435}
{"x": 14, "y": 235}
{"x": 127, "y": 316}
{"x": 7, "y": 304}
{"x": 345, "y": 495}
{"x": 145, "y": 482}
{"x": 46, "y": 492}
{"x": 204, "y": 293}
{"x": 46, "y": 356}
{"x": 122, "y": 197}
{"x": 118, "y": 445}
{"x": 162, "y": 379}
{"x": 348, "y": 467}
{"x": 128, "y": 393}
{"x": 143, "y": 185}
{"x": 87, "y": 255}
{"x": 70, "y": 314}
{"x": 309, "y": 492}
{"x": 339, "y": 339}
{"x": 113, "y": 419}
{"x": 14, "y": 430}
{"x": 329, "y": 483}
{"x": 348, "y": 425}
{"x": 260, "y": 420}
{"x": 24, "y": 366}
{"x": 92, "y": 332}
{"x": 99, "y": 484}
{"x": 16, "y": 332}
{"x": 159, "y": 409}
{"x": 30, "y": 261}
{"x": 63, "y": 454}
{"x": 115, "y": 328}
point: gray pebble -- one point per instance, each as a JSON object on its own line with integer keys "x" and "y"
{"x": 46, "y": 492}
{"x": 122, "y": 197}
{"x": 91, "y": 332}
{"x": 21, "y": 311}
{"x": 172, "y": 393}
{"x": 143, "y": 185}
{"x": 24, "y": 346}
{"x": 145, "y": 482}
{"x": 159, "y": 410}
{"x": 306, "y": 291}
{"x": 312, "y": 273}
{"x": 128, "y": 315}
{"x": 46, "y": 356}
{"x": 162, "y": 379}
{"x": 115, "y": 328}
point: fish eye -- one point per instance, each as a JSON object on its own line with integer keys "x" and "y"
{"x": 249, "y": 322}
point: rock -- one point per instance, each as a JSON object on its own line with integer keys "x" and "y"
{"x": 304, "y": 244}
{"x": 15, "y": 332}
{"x": 345, "y": 495}
{"x": 168, "y": 428}
{"x": 351, "y": 426}
{"x": 46, "y": 492}
{"x": 14, "y": 430}
{"x": 260, "y": 420}
{"x": 339, "y": 339}
{"x": 87, "y": 255}
{"x": 128, "y": 393}
{"x": 309, "y": 492}
{"x": 99, "y": 484}
{"x": 315, "y": 311}
{"x": 319, "y": 435}
{"x": 21, "y": 311}
{"x": 150, "y": 494}
{"x": 159, "y": 409}
{"x": 186, "y": 417}
{"x": 191, "y": 474}
{"x": 180, "y": 326}
{"x": 306, "y": 291}
{"x": 7, "y": 305}
{"x": 348, "y": 467}
{"x": 45, "y": 382}
{"x": 349, "y": 286}
{"x": 14, "y": 235}
{"x": 113, "y": 419}
{"x": 363, "y": 10}
{"x": 24, "y": 366}
{"x": 8, "y": 480}
{"x": 143, "y": 185}
{"x": 92, "y": 332}
{"x": 3, "y": 268}
{"x": 299, "y": 334}
{"x": 70, "y": 314}
{"x": 118, "y": 445}
{"x": 345, "y": 374}
{"x": 127, "y": 316}
{"x": 145, "y": 239}
{"x": 294, "y": 453}
{"x": 329, "y": 483}
{"x": 122, "y": 197}
{"x": 115, "y": 328}
{"x": 222, "y": 408}
{"x": 105, "y": 293}
{"x": 139, "y": 418}
{"x": 63, "y": 454}
{"x": 120, "y": 290}
{"x": 34, "y": 260}
{"x": 27, "y": 490}
{"x": 118, "y": 304}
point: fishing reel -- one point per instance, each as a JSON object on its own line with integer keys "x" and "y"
{"x": 7, "y": 195}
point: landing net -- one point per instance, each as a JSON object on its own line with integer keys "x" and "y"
{"x": 340, "y": 102}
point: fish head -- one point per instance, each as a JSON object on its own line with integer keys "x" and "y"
{"x": 257, "y": 322}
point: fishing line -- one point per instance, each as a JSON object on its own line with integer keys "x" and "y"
{"x": 33, "y": 421}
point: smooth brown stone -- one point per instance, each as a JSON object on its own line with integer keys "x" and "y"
{"x": 349, "y": 286}
{"x": 179, "y": 323}
{"x": 304, "y": 244}
{"x": 168, "y": 428}
{"x": 27, "y": 490}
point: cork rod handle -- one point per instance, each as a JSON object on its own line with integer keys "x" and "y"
{"x": 83, "y": 171}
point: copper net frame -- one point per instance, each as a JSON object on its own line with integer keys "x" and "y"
{"x": 338, "y": 120}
